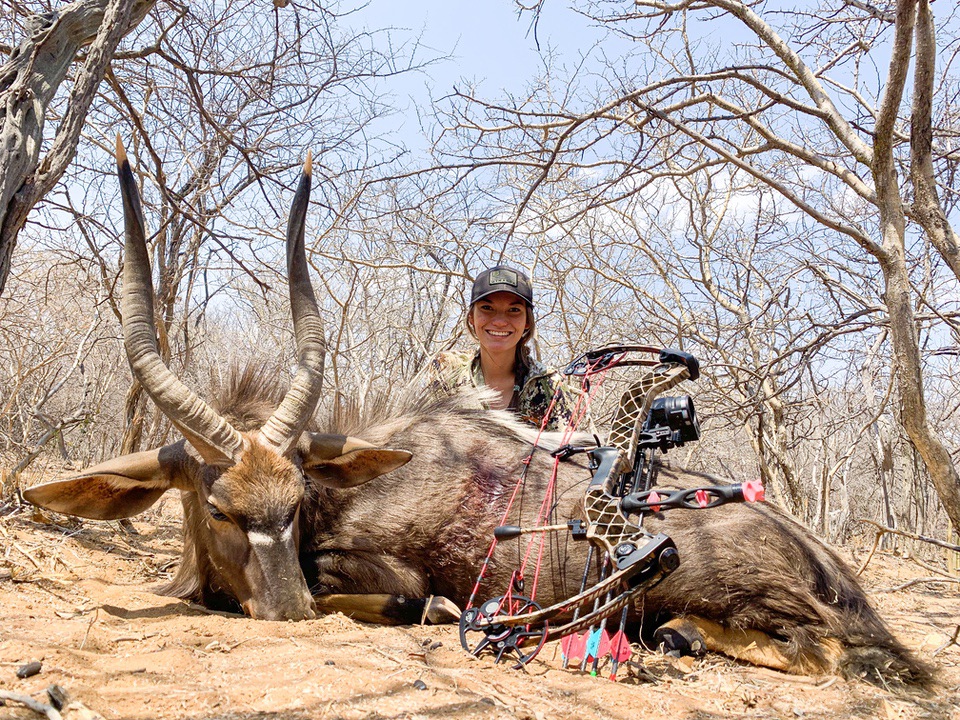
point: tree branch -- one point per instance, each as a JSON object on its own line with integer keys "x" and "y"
{"x": 28, "y": 83}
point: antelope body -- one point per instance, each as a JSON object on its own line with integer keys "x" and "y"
{"x": 370, "y": 520}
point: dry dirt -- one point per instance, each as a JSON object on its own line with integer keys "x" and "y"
{"x": 79, "y": 598}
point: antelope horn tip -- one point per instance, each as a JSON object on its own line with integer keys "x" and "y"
{"x": 121, "y": 151}
{"x": 308, "y": 163}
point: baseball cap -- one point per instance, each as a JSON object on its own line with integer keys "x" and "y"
{"x": 502, "y": 279}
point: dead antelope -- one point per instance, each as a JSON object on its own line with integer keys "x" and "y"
{"x": 243, "y": 476}
{"x": 286, "y": 522}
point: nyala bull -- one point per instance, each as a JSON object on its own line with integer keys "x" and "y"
{"x": 373, "y": 518}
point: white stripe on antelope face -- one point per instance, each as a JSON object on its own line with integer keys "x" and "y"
{"x": 259, "y": 538}
{"x": 262, "y": 539}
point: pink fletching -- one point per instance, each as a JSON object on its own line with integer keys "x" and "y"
{"x": 572, "y": 646}
{"x": 620, "y": 647}
{"x": 753, "y": 491}
{"x": 654, "y": 498}
{"x": 580, "y": 647}
{"x": 702, "y": 498}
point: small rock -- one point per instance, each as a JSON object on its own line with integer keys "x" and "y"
{"x": 436, "y": 645}
{"x": 420, "y": 685}
{"x": 329, "y": 662}
{"x": 28, "y": 670}
{"x": 58, "y": 696}
{"x": 488, "y": 701}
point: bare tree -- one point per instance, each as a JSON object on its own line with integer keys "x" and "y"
{"x": 219, "y": 107}
{"x": 792, "y": 106}
{"x": 29, "y": 81}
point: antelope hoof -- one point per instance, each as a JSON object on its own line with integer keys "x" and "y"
{"x": 680, "y": 638}
{"x": 441, "y": 611}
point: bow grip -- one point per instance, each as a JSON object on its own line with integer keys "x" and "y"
{"x": 606, "y": 460}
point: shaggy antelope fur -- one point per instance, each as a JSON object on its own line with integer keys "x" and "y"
{"x": 752, "y": 582}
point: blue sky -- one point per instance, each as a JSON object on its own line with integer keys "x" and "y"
{"x": 489, "y": 43}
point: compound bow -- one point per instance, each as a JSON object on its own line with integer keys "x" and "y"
{"x": 621, "y": 487}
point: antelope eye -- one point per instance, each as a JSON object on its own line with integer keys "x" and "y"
{"x": 215, "y": 513}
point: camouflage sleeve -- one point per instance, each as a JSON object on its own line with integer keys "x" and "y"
{"x": 537, "y": 395}
{"x": 446, "y": 371}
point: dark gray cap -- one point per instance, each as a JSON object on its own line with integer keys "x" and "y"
{"x": 502, "y": 279}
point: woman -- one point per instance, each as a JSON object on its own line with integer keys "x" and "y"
{"x": 501, "y": 319}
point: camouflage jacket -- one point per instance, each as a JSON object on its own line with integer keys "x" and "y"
{"x": 450, "y": 370}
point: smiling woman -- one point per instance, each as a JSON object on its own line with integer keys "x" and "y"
{"x": 502, "y": 320}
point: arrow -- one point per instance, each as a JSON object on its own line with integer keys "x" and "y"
{"x": 593, "y": 645}
{"x": 572, "y": 646}
{"x": 604, "y": 647}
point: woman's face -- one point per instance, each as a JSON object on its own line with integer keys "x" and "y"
{"x": 499, "y": 321}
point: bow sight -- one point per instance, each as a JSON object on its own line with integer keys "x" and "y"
{"x": 671, "y": 422}
{"x": 623, "y": 473}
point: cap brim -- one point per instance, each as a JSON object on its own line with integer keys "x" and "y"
{"x": 494, "y": 291}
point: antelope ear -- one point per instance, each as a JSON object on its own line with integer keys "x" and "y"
{"x": 114, "y": 489}
{"x": 339, "y": 461}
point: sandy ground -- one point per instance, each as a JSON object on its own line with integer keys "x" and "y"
{"x": 79, "y": 599}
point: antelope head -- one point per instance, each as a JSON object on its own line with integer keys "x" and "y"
{"x": 241, "y": 490}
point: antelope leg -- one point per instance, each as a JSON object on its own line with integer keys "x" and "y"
{"x": 386, "y": 609}
{"x": 751, "y": 646}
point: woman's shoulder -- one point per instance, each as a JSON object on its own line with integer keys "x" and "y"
{"x": 450, "y": 369}
{"x": 547, "y": 390}
{"x": 538, "y": 370}
{"x": 451, "y": 360}
{"x": 542, "y": 383}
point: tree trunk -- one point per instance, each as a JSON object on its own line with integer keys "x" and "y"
{"x": 906, "y": 353}
{"x": 898, "y": 295}
{"x": 134, "y": 415}
{"x": 773, "y": 444}
{"x": 29, "y": 80}
{"x": 927, "y": 208}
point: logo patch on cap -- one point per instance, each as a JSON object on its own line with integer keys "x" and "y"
{"x": 503, "y": 277}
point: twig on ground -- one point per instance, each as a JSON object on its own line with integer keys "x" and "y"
{"x": 876, "y": 544}
{"x": 38, "y": 584}
{"x": 918, "y": 581}
{"x": 96, "y": 614}
{"x": 28, "y": 556}
{"x": 930, "y": 568}
{"x": 426, "y": 609}
{"x": 951, "y": 641}
{"x": 48, "y": 711}
{"x": 882, "y": 529}
{"x": 781, "y": 677}
{"x": 370, "y": 648}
